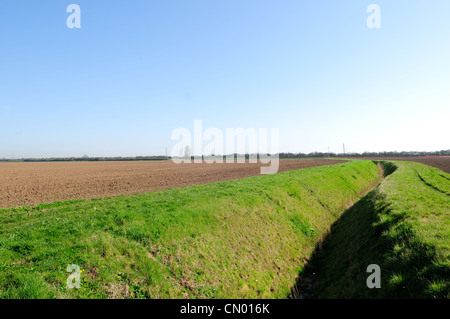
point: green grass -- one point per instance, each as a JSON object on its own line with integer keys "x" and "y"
{"x": 403, "y": 226}
{"x": 245, "y": 238}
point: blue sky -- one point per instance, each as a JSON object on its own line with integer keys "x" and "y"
{"x": 137, "y": 70}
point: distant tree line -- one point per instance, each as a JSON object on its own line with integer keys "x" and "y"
{"x": 350, "y": 154}
{"x": 88, "y": 159}
{"x": 366, "y": 154}
{"x": 85, "y": 158}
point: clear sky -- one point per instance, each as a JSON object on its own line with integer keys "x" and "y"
{"x": 137, "y": 70}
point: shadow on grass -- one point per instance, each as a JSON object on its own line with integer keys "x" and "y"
{"x": 370, "y": 233}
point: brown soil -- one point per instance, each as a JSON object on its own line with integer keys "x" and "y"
{"x": 441, "y": 162}
{"x": 34, "y": 183}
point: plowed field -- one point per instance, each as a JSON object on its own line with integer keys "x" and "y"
{"x": 34, "y": 183}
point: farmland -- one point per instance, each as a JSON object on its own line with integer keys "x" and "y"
{"x": 239, "y": 236}
{"x": 244, "y": 238}
{"x": 36, "y": 183}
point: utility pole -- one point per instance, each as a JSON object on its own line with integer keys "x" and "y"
{"x": 166, "y": 151}
{"x": 343, "y": 146}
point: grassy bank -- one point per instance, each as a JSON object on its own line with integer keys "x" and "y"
{"x": 403, "y": 226}
{"x": 245, "y": 238}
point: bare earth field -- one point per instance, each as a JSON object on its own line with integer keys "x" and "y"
{"x": 34, "y": 183}
{"x": 441, "y": 162}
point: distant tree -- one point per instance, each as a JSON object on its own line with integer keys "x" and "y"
{"x": 187, "y": 151}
